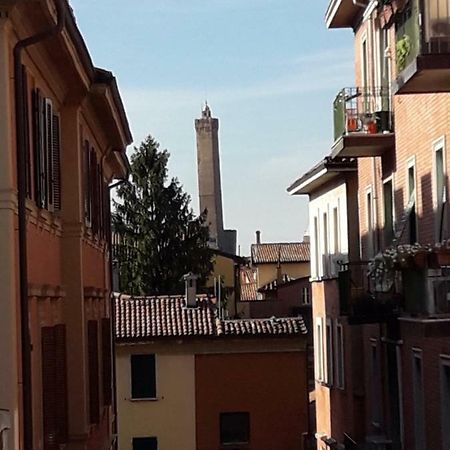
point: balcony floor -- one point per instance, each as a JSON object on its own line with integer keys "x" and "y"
{"x": 426, "y": 74}
{"x": 363, "y": 145}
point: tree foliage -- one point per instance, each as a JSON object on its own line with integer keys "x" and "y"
{"x": 158, "y": 238}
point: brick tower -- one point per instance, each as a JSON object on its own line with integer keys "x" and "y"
{"x": 208, "y": 165}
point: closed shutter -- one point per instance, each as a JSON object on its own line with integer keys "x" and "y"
{"x": 48, "y": 121}
{"x": 93, "y": 190}
{"x": 26, "y": 121}
{"x": 106, "y": 361}
{"x": 37, "y": 147}
{"x": 94, "y": 403}
{"x": 61, "y": 384}
{"x": 56, "y": 164}
{"x": 49, "y": 388}
{"x": 86, "y": 182}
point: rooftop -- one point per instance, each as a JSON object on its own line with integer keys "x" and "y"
{"x": 148, "y": 318}
{"x": 284, "y": 252}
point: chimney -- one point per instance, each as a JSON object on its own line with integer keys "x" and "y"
{"x": 190, "y": 281}
{"x": 258, "y": 237}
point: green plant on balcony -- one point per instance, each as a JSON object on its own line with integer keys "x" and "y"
{"x": 403, "y": 49}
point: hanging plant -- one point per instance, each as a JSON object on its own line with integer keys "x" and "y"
{"x": 403, "y": 49}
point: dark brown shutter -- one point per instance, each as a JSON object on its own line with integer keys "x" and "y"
{"x": 94, "y": 402}
{"x": 37, "y": 146}
{"x": 26, "y": 114}
{"x": 49, "y": 388}
{"x": 48, "y": 117}
{"x": 86, "y": 184}
{"x": 106, "y": 361}
{"x": 94, "y": 194}
{"x": 56, "y": 164}
{"x": 61, "y": 384}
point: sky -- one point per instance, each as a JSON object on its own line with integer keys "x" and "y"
{"x": 269, "y": 70}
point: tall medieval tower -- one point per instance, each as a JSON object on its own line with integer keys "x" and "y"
{"x": 208, "y": 164}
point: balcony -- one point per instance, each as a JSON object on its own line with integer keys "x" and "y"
{"x": 423, "y": 47}
{"x": 363, "y": 122}
{"x": 362, "y": 299}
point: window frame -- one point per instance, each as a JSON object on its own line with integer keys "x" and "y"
{"x": 246, "y": 430}
{"x": 340, "y": 356}
{"x": 329, "y": 352}
{"x": 411, "y": 164}
{"x": 319, "y": 368}
{"x": 439, "y": 145}
{"x": 307, "y": 290}
{"x": 389, "y": 179}
{"x": 370, "y": 222}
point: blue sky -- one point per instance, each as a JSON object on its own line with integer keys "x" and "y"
{"x": 269, "y": 69}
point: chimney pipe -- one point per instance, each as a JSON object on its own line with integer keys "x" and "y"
{"x": 190, "y": 281}
{"x": 258, "y": 237}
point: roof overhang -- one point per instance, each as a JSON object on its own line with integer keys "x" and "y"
{"x": 322, "y": 173}
{"x": 342, "y": 13}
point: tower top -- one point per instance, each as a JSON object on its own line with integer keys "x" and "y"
{"x": 206, "y": 113}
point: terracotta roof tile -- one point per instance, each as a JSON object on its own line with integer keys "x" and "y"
{"x": 290, "y": 252}
{"x": 273, "y": 285}
{"x": 248, "y": 286}
{"x": 141, "y": 318}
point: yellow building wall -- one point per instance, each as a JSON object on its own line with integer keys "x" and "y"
{"x": 268, "y": 272}
{"x": 224, "y": 267}
{"x": 170, "y": 418}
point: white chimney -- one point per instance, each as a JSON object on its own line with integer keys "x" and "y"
{"x": 190, "y": 281}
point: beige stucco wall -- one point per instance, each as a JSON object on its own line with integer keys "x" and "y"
{"x": 171, "y": 418}
{"x": 268, "y": 272}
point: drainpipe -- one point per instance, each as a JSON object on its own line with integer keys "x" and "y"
{"x": 21, "y": 206}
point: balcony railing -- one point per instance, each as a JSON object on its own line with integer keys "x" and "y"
{"x": 362, "y": 299}
{"x": 362, "y": 110}
{"x": 423, "y": 30}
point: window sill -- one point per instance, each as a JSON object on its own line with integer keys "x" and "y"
{"x": 149, "y": 399}
{"x": 238, "y": 445}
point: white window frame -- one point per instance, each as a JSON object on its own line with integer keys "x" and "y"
{"x": 307, "y": 290}
{"x": 370, "y": 222}
{"x": 316, "y": 244}
{"x": 364, "y": 40}
{"x": 340, "y": 356}
{"x": 385, "y": 181}
{"x": 438, "y": 144}
{"x": 411, "y": 163}
{"x": 329, "y": 352}
{"x": 319, "y": 369}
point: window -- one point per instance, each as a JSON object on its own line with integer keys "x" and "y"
{"x": 326, "y": 249}
{"x": 329, "y": 350}
{"x": 419, "y": 401}
{"x": 319, "y": 354}
{"x": 365, "y": 64}
{"x": 143, "y": 376}
{"x": 340, "y": 373}
{"x": 306, "y": 295}
{"x": 234, "y": 428}
{"x": 54, "y": 386}
{"x": 94, "y": 393}
{"x": 106, "y": 361}
{"x": 439, "y": 189}
{"x": 376, "y": 397}
{"x": 336, "y": 231}
{"x": 316, "y": 247}
{"x": 388, "y": 210}
{"x": 412, "y": 222}
{"x": 46, "y": 148}
{"x": 445, "y": 400}
{"x": 145, "y": 443}
{"x": 369, "y": 224}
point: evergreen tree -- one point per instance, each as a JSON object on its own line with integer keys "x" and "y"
{"x": 159, "y": 237}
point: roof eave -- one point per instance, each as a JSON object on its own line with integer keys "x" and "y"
{"x": 342, "y": 14}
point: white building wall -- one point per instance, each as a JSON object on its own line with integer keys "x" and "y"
{"x": 329, "y": 230}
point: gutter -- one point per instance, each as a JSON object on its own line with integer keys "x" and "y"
{"x": 21, "y": 156}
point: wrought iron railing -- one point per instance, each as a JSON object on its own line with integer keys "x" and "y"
{"x": 362, "y": 110}
{"x": 422, "y": 28}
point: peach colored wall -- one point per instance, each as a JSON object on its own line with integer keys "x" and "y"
{"x": 269, "y": 386}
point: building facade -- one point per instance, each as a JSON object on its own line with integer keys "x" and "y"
{"x": 63, "y": 135}
{"x": 390, "y": 293}
{"x": 224, "y": 383}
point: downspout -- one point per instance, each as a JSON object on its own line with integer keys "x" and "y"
{"x": 21, "y": 207}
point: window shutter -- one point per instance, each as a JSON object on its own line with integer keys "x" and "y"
{"x": 49, "y": 388}
{"x": 61, "y": 384}
{"x": 93, "y": 189}
{"x": 86, "y": 175}
{"x": 56, "y": 163}
{"x": 94, "y": 403}
{"x": 106, "y": 361}
{"x": 37, "y": 146}
{"x": 26, "y": 113}
{"x": 48, "y": 181}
